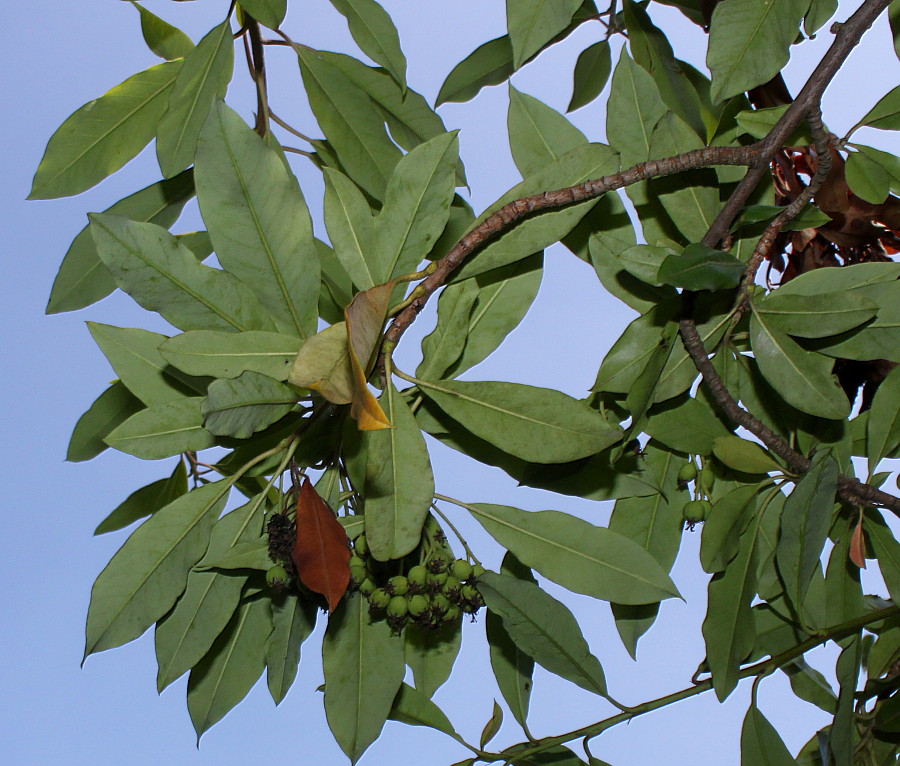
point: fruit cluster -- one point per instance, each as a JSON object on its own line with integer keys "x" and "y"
{"x": 432, "y": 593}
{"x": 696, "y": 510}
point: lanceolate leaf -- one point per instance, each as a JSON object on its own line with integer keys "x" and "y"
{"x": 536, "y": 424}
{"x": 148, "y": 573}
{"x": 538, "y": 134}
{"x": 82, "y": 278}
{"x": 430, "y": 654}
{"x": 883, "y": 435}
{"x": 543, "y": 628}
{"x": 293, "y": 619}
{"x": 578, "y": 555}
{"x": 592, "y": 71}
{"x": 162, "y": 275}
{"x": 203, "y": 78}
{"x": 444, "y": 345}
{"x": 146, "y": 501}
{"x": 760, "y": 743}
{"x": 162, "y": 38}
{"x": 489, "y": 64}
{"x": 242, "y": 406}
{"x": 258, "y": 220}
{"x": 164, "y": 430}
{"x": 399, "y": 482}
{"x": 701, "y": 268}
{"x": 363, "y": 666}
{"x": 104, "y": 134}
{"x": 225, "y": 676}
{"x": 416, "y": 709}
{"x": 375, "y": 34}
{"x": 112, "y": 408}
{"x": 351, "y": 229}
{"x": 534, "y": 23}
{"x": 209, "y": 600}
{"x": 268, "y": 12}
{"x": 320, "y": 553}
{"x": 816, "y": 316}
{"x": 228, "y": 354}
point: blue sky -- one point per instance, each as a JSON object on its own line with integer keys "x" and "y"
{"x": 58, "y": 56}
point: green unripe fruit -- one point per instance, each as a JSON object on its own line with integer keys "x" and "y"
{"x": 276, "y": 577}
{"x": 417, "y": 605}
{"x": 360, "y": 545}
{"x": 452, "y": 613}
{"x": 451, "y": 587}
{"x": 358, "y": 574}
{"x": 356, "y": 561}
{"x": 477, "y": 570}
{"x": 398, "y": 585}
{"x": 436, "y": 565}
{"x": 379, "y": 598}
{"x": 398, "y": 607}
{"x": 695, "y": 511}
{"x": 706, "y": 479}
{"x": 469, "y": 593}
{"x": 440, "y": 603}
{"x": 417, "y": 575}
{"x": 687, "y": 472}
{"x": 436, "y": 579}
{"x": 367, "y": 587}
{"x": 461, "y": 570}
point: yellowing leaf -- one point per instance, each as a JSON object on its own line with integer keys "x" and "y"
{"x": 364, "y": 319}
{"x": 323, "y": 365}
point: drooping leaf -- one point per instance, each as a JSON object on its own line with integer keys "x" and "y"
{"x": 743, "y": 455}
{"x": 724, "y": 526}
{"x": 748, "y": 43}
{"x": 886, "y": 113}
{"x": 258, "y": 220}
{"x": 363, "y": 666}
{"x": 112, "y": 408}
{"x": 321, "y": 553}
{"x": 444, "y": 345}
{"x": 431, "y": 654}
{"x": 489, "y": 64}
{"x": 82, "y": 278}
{"x": 146, "y": 501}
{"x": 162, "y": 431}
{"x": 843, "y": 591}
{"x": 399, "y": 482}
{"x": 686, "y": 424}
{"x": 364, "y": 319}
{"x": 375, "y": 34}
{"x": 104, "y": 134}
{"x": 592, "y": 70}
{"x": 536, "y": 424}
{"x": 162, "y": 38}
{"x": 760, "y": 743}
{"x": 633, "y": 110}
{"x": 268, "y": 12}
{"x": 416, "y": 709}
{"x": 228, "y": 354}
{"x": 578, "y": 555}
{"x": 534, "y": 23}
{"x": 543, "y": 628}
{"x": 203, "y": 78}
{"x": 209, "y": 600}
{"x": 866, "y": 178}
{"x": 148, "y": 573}
{"x": 492, "y": 727}
{"x": 241, "y": 406}
{"x": 162, "y": 275}
{"x": 538, "y": 134}
{"x": 293, "y": 619}
{"x": 231, "y": 668}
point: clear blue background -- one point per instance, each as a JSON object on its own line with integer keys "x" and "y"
{"x": 58, "y": 55}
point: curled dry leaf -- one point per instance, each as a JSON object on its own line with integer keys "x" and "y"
{"x": 858, "y": 544}
{"x": 321, "y": 551}
{"x": 365, "y": 319}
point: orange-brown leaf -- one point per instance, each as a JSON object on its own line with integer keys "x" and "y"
{"x": 365, "y": 319}
{"x": 321, "y": 553}
{"x": 858, "y": 545}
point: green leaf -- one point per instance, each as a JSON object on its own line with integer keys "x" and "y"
{"x": 534, "y": 23}
{"x": 162, "y": 275}
{"x": 803, "y": 379}
{"x": 536, "y": 424}
{"x": 258, "y": 220}
{"x": 724, "y": 526}
{"x": 492, "y": 726}
{"x": 351, "y": 123}
{"x": 270, "y": 13}
{"x": 112, "y": 408}
{"x": 844, "y": 599}
{"x": 241, "y": 406}
{"x": 820, "y": 11}
{"x": 293, "y": 619}
{"x": 351, "y": 228}
{"x": 579, "y": 556}
{"x": 203, "y": 78}
{"x": 748, "y": 43}
{"x": 886, "y": 550}
{"x": 653, "y": 522}
{"x": 82, "y": 278}
{"x": 489, "y": 64}
{"x": 537, "y": 232}
{"x": 162, "y": 431}
{"x": 416, "y": 207}
{"x": 866, "y": 178}
{"x": 416, "y": 709}
{"x": 850, "y": 277}
{"x": 886, "y": 113}
{"x": 399, "y": 483}
{"x": 444, "y": 345}
{"x": 146, "y": 501}
{"x": 687, "y": 425}
{"x": 633, "y": 110}
{"x": 134, "y": 356}
{"x": 543, "y": 628}
{"x": 538, "y": 135}
{"x": 363, "y": 666}
{"x": 513, "y": 668}
{"x": 209, "y": 600}
{"x": 162, "y": 38}
{"x": 630, "y": 353}
{"x": 702, "y": 268}
{"x": 883, "y": 432}
{"x": 431, "y": 654}
{"x": 742, "y": 455}
{"x": 375, "y": 34}
{"x": 760, "y": 743}
{"x": 643, "y": 261}
{"x": 805, "y": 522}
{"x": 237, "y": 658}
{"x": 228, "y": 354}
{"x": 844, "y": 735}
{"x": 148, "y": 573}
{"x": 504, "y": 297}
{"x": 592, "y": 70}
{"x": 104, "y": 134}
{"x": 816, "y": 316}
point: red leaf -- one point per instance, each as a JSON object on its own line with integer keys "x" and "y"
{"x": 321, "y": 553}
{"x": 858, "y": 545}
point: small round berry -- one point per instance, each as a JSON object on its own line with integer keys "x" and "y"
{"x": 417, "y": 575}
{"x": 277, "y": 577}
{"x": 417, "y": 605}
{"x": 397, "y": 607}
{"x": 398, "y": 585}
{"x": 687, "y": 473}
{"x": 461, "y": 569}
{"x": 358, "y": 574}
{"x": 361, "y": 546}
{"x": 379, "y": 598}
{"x": 367, "y": 587}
